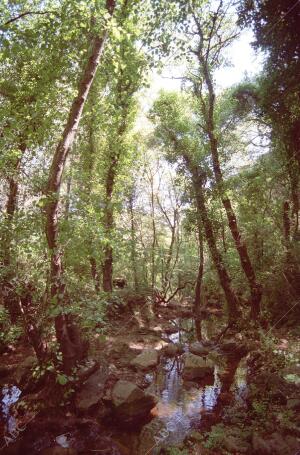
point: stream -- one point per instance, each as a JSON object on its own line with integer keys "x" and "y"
{"x": 182, "y": 405}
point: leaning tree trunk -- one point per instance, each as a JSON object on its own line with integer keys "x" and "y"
{"x": 224, "y": 278}
{"x": 70, "y": 346}
{"x": 241, "y": 247}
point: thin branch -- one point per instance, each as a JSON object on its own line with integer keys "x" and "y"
{"x": 27, "y": 13}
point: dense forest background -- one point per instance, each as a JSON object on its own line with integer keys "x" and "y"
{"x": 110, "y": 189}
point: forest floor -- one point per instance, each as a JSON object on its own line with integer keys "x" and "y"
{"x": 250, "y": 405}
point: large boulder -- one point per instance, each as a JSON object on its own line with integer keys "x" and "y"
{"x": 152, "y": 437}
{"x": 197, "y": 348}
{"x": 173, "y": 349}
{"x": 145, "y": 360}
{"x": 92, "y": 389}
{"x": 196, "y": 367}
{"x": 130, "y": 402}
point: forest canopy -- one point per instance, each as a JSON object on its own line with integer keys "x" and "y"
{"x": 131, "y": 172}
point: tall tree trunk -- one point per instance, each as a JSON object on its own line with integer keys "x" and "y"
{"x": 64, "y": 325}
{"x": 94, "y": 273}
{"x": 133, "y": 243}
{"x": 225, "y": 281}
{"x": 198, "y": 295}
{"x": 154, "y": 239}
{"x": 91, "y": 157}
{"x": 241, "y": 247}
{"x": 107, "y": 271}
{"x": 9, "y": 294}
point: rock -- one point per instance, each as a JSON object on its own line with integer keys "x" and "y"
{"x": 85, "y": 370}
{"x": 24, "y": 368}
{"x": 195, "y": 436}
{"x": 92, "y": 390}
{"x": 197, "y": 348}
{"x": 173, "y": 349}
{"x": 130, "y": 402}
{"x": 196, "y": 367}
{"x": 145, "y": 360}
{"x": 153, "y": 436}
{"x": 229, "y": 346}
{"x": 293, "y": 404}
{"x": 233, "y": 346}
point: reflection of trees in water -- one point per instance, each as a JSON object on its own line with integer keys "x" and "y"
{"x": 226, "y": 395}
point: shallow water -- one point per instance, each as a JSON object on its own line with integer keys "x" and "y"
{"x": 182, "y": 406}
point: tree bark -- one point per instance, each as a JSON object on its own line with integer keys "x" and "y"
{"x": 9, "y": 295}
{"x": 64, "y": 326}
{"x": 198, "y": 295}
{"x": 133, "y": 242}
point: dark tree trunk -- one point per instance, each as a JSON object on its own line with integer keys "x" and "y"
{"x": 94, "y": 273}
{"x": 70, "y": 346}
{"x": 32, "y": 330}
{"x": 198, "y": 294}
{"x": 225, "y": 281}
{"x": 107, "y": 273}
{"x": 133, "y": 243}
{"x": 9, "y": 294}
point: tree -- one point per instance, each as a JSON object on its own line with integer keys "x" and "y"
{"x": 70, "y": 347}
{"x": 179, "y": 136}
{"x": 213, "y": 35}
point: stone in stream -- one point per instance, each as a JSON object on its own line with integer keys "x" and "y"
{"x": 196, "y": 367}
{"x": 152, "y": 437}
{"x": 173, "y": 349}
{"x": 130, "y": 402}
{"x": 197, "y": 348}
{"x": 145, "y": 360}
{"x": 92, "y": 389}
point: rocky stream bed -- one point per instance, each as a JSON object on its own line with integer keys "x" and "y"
{"x": 151, "y": 389}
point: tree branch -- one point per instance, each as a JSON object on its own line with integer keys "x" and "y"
{"x": 26, "y": 13}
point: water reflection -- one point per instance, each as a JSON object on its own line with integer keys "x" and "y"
{"x": 10, "y": 396}
{"x": 184, "y": 405}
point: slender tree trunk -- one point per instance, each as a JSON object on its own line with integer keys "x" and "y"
{"x": 9, "y": 294}
{"x": 133, "y": 243}
{"x": 108, "y": 225}
{"x": 32, "y": 330}
{"x": 198, "y": 295}
{"x": 94, "y": 273}
{"x": 64, "y": 325}
{"x": 225, "y": 281}
{"x": 241, "y": 247}
{"x": 91, "y": 156}
{"x": 154, "y": 239}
